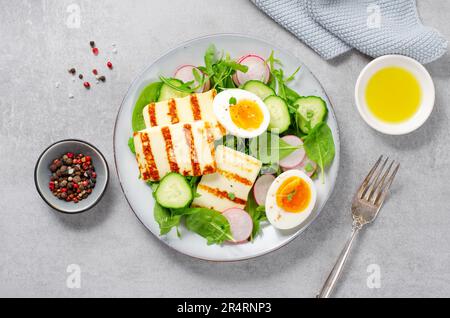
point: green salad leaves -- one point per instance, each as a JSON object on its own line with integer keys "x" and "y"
{"x": 220, "y": 69}
{"x": 148, "y": 95}
{"x": 165, "y": 219}
{"x": 319, "y": 146}
{"x": 270, "y": 148}
{"x": 210, "y": 224}
{"x": 257, "y": 213}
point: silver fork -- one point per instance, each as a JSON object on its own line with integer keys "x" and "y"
{"x": 365, "y": 207}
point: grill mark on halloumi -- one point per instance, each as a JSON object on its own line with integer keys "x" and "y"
{"x": 222, "y": 129}
{"x": 138, "y": 156}
{"x": 195, "y": 108}
{"x": 151, "y": 171}
{"x": 188, "y": 109}
{"x": 152, "y": 114}
{"x": 235, "y": 174}
{"x": 209, "y": 169}
{"x": 210, "y": 137}
{"x": 193, "y": 152}
{"x": 173, "y": 111}
{"x": 169, "y": 150}
{"x": 221, "y": 194}
{"x": 235, "y": 177}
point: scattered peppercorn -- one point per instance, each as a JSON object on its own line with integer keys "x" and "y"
{"x": 72, "y": 71}
{"x": 94, "y": 71}
{"x": 80, "y": 76}
{"x": 102, "y": 78}
{"x": 87, "y": 85}
{"x": 71, "y": 181}
{"x": 95, "y": 51}
{"x": 109, "y": 64}
{"x": 92, "y": 44}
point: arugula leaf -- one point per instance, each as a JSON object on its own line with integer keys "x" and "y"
{"x": 148, "y": 95}
{"x": 319, "y": 146}
{"x": 181, "y": 86}
{"x": 278, "y": 83}
{"x": 131, "y": 145}
{"x": 210, "y": 59}
{"x": 165, "y": 219}
{"x": 258, "y": 215}
{"x": 270, "y": 148}
{"x": 220, "y": 70}
{"x": 292, "y": 76}
{"x": 210, "y": 224}
{"x": 235, "y": 65}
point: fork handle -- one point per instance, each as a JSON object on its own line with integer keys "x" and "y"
{"x": 336, "y": 272}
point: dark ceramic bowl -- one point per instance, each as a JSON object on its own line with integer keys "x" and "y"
{"x": 42, "y": 175}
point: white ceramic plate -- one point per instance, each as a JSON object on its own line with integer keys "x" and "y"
{"x": 139, "y": 194}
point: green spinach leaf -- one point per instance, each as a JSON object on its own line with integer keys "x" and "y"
{"x": 270, "y": 148}
{"x": 319, "y": 146}
{"x": 210, "y": 224}
{"x": 131, "y": 145}
{"x": 148, "y": 95}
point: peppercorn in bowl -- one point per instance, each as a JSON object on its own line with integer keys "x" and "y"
{"x": 71, "y": 176}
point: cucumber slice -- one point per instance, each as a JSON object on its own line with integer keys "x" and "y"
{"x": 259, "y": 89}
{"x": 312, "y": 110}
{"x": 166, "y": 92}
{"x": 279, "y": 114}
{"x": 174, "y": 192}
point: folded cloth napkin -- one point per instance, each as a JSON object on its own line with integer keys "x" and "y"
{"x": 373, "y": 27}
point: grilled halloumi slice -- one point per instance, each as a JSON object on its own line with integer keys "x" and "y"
{"x": 229, "y": 186}
{"x": 185, "y": 148}
{"x": 184, "y": 110}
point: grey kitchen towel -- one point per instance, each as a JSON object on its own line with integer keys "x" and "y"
{"x": 374, "y": 27}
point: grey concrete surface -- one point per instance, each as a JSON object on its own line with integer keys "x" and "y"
{"x": 116, "y": 254}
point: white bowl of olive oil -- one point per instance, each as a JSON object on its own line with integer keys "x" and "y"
{"x": 394, "y": 94}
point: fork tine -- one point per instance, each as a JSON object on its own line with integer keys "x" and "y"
{"x": 379, "y": 184}
{"x": 384, "y": 188}
{"x": 364, "y": 184}
{"x": 374, "y": 184}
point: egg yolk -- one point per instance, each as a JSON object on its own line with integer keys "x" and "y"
{"x": 294, "y": 195}
{"x": 246, "y": 114}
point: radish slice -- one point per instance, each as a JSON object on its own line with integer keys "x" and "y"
{"x": 295, "y": 158}
{"x": 261, "y": 188}
{"x": 258, "y": 69}
{"x": 241, "y": 224}
{"x": 307, "y": 166}
{"x": 184, "y": 73}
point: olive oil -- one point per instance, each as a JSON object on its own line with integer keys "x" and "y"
{"x": 393, "y": 95}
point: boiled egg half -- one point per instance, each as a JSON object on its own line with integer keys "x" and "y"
{"x": 242, "y": 113}
{"x": 290, "y": 200}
